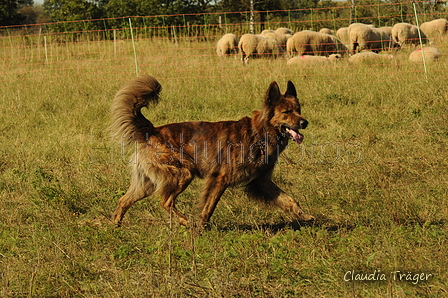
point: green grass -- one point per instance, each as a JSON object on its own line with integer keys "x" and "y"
{"x": 372, "y": 169}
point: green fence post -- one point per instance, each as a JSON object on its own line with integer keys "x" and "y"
{"x": 225, "y": 21}
{"x": 267, "y": 19}
{"x": 421, "y": 42}
{"x": 311, "y": 18}
{"x": 133, "y": 45}
{"x": 289, "y": 19}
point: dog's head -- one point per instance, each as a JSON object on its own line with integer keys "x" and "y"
{"x": 282, "y": 111}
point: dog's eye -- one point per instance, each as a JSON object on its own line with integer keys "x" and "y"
{"x": 287, "y": 112}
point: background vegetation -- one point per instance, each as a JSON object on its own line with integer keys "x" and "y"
{"x": 18, "y": 12}
{"x": 372, "y": 170}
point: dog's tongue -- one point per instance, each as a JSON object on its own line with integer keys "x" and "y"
{"x": 297, "y": 137}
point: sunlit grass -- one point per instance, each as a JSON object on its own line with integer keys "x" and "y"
{"x": 372, "y": 170}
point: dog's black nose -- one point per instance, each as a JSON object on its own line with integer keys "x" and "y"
{"x": 303, "y": 123}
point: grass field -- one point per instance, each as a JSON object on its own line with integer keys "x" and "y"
{"x": 372, "y": 169}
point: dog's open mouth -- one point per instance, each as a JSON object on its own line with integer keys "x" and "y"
{"x": 293, "y": 134}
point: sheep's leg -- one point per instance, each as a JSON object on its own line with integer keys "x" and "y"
{"x": 354, "y": 47}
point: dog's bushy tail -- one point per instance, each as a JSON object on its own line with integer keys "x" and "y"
{"x": 128, "y": 122}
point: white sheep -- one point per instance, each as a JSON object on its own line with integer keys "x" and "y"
{"x": 387, "y": 30}
{"x": 326, "y": 31}
{"x": 369, "y": 57}
{"x": 342, "y": 34}
{"x": 429, "y": 53}
{"x": 227, "y": 44}
{"x": 314, "y": 43}
{"x": 308, "y": 59}
{"x": 267, "y": 31}
{"x": 251, "y": 45}
{"x": 280, "y": 38}
{"x": 404, "y": 33}
{"x": 282, "y": 30}
{"x": 435, "y": 29}
{"x": 367, "y": 37}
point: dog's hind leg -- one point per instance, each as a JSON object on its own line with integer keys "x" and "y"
{"x": 214, "y": 188}
{"x": 140, "y": 188}
{"x": 171, "y": 189}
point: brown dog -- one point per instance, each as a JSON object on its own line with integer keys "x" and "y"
{"x": 225, "y": 153}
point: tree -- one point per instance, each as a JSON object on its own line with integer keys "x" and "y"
{"x": 9, "y": 12}
{"x": 71, "y": 10}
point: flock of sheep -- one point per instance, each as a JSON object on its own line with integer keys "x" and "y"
{"x": 358, "y": 41}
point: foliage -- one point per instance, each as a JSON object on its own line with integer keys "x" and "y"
{"x": 266, "y": 11}
{"x": 71, "y": 10}
{"x": 9, "y": 12}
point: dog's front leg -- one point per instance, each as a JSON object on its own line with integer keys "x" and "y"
{"x": 289, "y": 205}
{"x": 263, "y": 189}
{"x": 214, "y": 188}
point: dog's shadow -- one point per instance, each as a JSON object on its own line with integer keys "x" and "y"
{"x": 295, "y": 225}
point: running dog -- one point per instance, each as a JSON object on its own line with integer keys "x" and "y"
{"x": 224, "y": 154}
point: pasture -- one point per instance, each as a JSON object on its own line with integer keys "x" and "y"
{"x": 372, "y": 169}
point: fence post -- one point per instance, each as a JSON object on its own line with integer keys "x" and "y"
{"x": 311, "y": 19}
{"x": 88, "y": 37}
{"x": 46, "y": 50}
{"x": 251, "y": 25}
{"x": 267, "y": 19}
{"x": 133, "y": 45}
{"x": 289, "y": 19}
{"x": 379, "y": 25}
{"x": 174, "y": 35}
{"x": 401, "y": 12}
{"x": 421, "y": 42}
{"x": 144, "y": 25}
{"x": 186, "y": 28}
{"x": 206, "y": 32}
{"x": 11, "y": 44}
{"x": 225, "y": 21}
{"x": 167, "y": 33}
{"x": 379, "y": 18}
{"x": 115, "y": 43}
{"x": 334, "y": 20}
{"x": 106, "y": 33}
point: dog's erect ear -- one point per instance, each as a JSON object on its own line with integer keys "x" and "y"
{"x": 273, "y": 94}
{"x": 291, "y": 90}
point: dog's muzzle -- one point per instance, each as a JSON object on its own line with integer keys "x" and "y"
{"x": 303, "y": 123}
{"x": 293, "y": 133}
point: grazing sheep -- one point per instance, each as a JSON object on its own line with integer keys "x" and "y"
{"x": 366, "y": 37}
{"x": 430, "y": 53}
{"x": 282, "y": 30}
{"x": 280, "y": 38}
{"x": 314, "y": 43}
{"x": 387, "y": 30}
{"x": 308, "y": 59}
{"x": 342, "y": 34}
{"x": 369, "y": 58}
{"x": 436, "y": 28}
{"x": 326, "y": 31}
{"x": 267, "y": 31}
{"x": 228, "y": 44}
{"x": 257, "y": 46}
{"x": 404, "y": 33}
